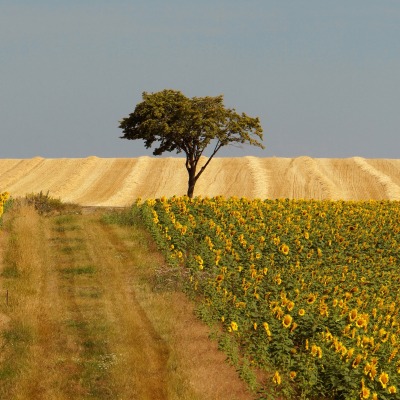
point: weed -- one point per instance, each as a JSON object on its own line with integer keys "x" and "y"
{"x": 45, "y": 204}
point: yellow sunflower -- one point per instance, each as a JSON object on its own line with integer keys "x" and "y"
{"x": 383, "y": 379}
{"x": 284, "y": 249}
{"x": 277, "y": 378}
{"x": 287, "y": 320}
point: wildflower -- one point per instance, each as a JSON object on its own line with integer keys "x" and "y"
{"x": 292, "y": 375}
{"x": 255, "y": 326}
{"x": 384, "y": 379}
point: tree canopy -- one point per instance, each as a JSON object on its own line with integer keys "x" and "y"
{"x": 175, "y": 122}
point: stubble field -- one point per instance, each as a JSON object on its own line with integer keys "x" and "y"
{"x": 118, "y": 181}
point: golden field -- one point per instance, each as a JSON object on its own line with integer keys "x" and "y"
{"x": 94, "y": 181}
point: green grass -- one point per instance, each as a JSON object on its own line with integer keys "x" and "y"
{"x": 123, "y": 217}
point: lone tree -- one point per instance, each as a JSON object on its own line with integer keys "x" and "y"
{"x": 178, "y": 123}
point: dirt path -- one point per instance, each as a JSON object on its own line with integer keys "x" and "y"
{"x": 82, "y": 321}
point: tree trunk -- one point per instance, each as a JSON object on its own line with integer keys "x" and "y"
{"x": 191, "y": 182}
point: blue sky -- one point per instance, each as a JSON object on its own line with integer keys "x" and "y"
{"x": 322, "y": 75}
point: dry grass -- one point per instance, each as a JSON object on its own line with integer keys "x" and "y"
{"x": 83, "y": 320}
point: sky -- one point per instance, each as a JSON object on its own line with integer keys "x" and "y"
{"x": 323, "y": 76}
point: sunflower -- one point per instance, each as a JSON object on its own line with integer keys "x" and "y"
{"x": 287, "y": 320}
{"x": 302, "y": 312}
{"x": 316, "y": 351}
{"x": 365, "y": 393}
{"x": 392, "y": 389}
{"x": 266, "y": 327}
{"x": 311, "y": 298}
{"x": 383, "y": 379}
{"x": 353, "y": 315}
{"x": 361, "y": 322}
{"x": 277, "y": 378}
{"x": 234, "y": 326}
{"x": 284, "y": 249}
{"x": 357, "y": 361}
{"x": 373, "y": 371}
{"x": 292, "y": 375}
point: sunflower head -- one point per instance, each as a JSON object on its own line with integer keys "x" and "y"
{"x": 384, "y": 379}
{"x": 277, "y": 378}
{"x": 287, "y": 320}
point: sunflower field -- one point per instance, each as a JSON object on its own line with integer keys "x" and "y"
{"x": 309, "y": 290}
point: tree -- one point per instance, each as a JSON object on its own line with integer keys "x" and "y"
{"x": 189, "y": 125}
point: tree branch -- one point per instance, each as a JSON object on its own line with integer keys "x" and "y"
{"x": 217, "y": 147}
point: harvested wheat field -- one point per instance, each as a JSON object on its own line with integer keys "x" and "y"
{"x": 97, "y": 181}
